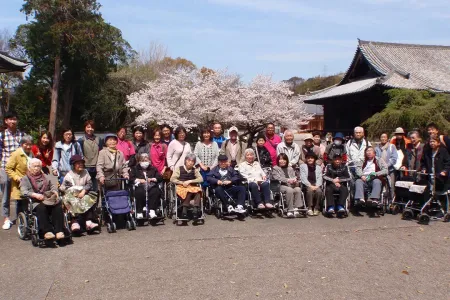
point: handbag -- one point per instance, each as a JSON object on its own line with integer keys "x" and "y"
{"x": 112, "y": 184}
{"x": 168, "y": 172}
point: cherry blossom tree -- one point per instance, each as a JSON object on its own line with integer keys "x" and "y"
{"x": 197, "y": 97}
{"x": 189, "y": 98}
{"x": 264, "y": 100}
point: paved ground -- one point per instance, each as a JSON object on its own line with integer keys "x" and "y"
{"x": 314, "y": 258}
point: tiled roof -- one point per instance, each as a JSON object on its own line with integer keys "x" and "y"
{"x": 407, "y": 66}
{"x": 345, "y": 89}
{"x": 421, "y": 66}
{"x": 10, "y": 64}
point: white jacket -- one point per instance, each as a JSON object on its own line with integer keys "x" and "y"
{"x": 252, "y": 172}
{"x": 355, "y": 152}
{"x": 293, "y": 152}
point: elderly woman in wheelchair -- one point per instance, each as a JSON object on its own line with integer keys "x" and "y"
{"x": 252, "y": 172}
{"x": 46, "y": 204}
{"x": 370, "y": 176}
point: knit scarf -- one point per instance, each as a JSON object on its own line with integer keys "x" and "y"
{"x": 384, "y": 149}
{"x": 38, "y": 180}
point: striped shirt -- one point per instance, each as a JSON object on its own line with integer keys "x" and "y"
{"x": 9, "y": 142}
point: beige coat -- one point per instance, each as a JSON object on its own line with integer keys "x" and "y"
{"x": 227, "y": 151}
{"x": 105, "y": 164}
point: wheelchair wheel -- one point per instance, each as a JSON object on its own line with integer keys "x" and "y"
{"x": 34, "y": 240}
{"x": 395, "y": 209}
{"x": 128, "y": 226}
{"x": 424, "y": 219}
{"x": 218, "y": 211}
{"x": 447, "y": 217}
{"x": 407, "y": 214}
{"x": 22, "y": 226}
{"x": 280, "y": 212}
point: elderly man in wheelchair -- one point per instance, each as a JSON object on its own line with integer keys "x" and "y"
{"x": 370, "y": 177}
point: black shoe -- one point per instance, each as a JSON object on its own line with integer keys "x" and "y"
{"x": 375, "y": 203}
{"x": 196, "y": 214}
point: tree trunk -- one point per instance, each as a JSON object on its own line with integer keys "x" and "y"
{"x": 54, "y": 97}
{"x": 69, "y": 94}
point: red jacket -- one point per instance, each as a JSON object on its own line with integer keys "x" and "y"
{"x": 44, "y": 155}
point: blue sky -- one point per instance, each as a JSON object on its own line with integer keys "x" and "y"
{"x": 284, "y": 38}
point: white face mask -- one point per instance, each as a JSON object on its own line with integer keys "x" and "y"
{"x": 144, "y": 164}
{"x": 338, "y": 142}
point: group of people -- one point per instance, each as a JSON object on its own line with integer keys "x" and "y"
{"x": 82, "y": 166}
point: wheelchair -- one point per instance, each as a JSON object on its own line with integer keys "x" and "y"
{"x": 174, "y": 208}
{"x": 335, "y": 196}
{"x": 425, "y": 205}
{"x": 382, "y": 206}
{"x": 218, "y": 207}
{"x": 250, "y": 206}
{"x": 280, "y": 200}
{"x": 28, "y": 226}
{"x": 160, "y": 211}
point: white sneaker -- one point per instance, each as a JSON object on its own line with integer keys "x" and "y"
{"x": 310, "y": 212}
{"x": 230, "y": 208}
{"x": 290, "y": 214}
{"x": 240, "y": 209}
{"x": 139, "y": 216}
{"x": 152, "y": 214}
{"x": 7, "y": 225}
{"x": 296, "y": 213}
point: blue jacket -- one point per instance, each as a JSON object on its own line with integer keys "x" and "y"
{"x": 61, "y": 158}
{"x": 213, "y": 176}
{"x": 219, "y": 140}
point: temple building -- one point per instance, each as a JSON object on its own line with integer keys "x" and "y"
{"x": 10, "y": 64}
{"x": 376, "y": 67}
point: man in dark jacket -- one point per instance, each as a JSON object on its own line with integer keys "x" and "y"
{"x": 224, "y": 180}
{"x": 336, "y": 176}
{"x": 436, "y": 160}
{"x": 337, "y": 148}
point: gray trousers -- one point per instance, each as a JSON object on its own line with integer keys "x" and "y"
{"x": 293, "y": 197}
{"x": 375, "y": 186}
{"x": 313, "y": 198}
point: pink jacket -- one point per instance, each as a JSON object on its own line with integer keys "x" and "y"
{"x": 158, "y": 153}
{"x": 126, "y": 147}
{"x": 271, "y": 146}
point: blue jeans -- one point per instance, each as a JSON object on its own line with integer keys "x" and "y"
{"x": 237, "y": 192}
{"x": 256, "y": 190}
{"x": 6, "y": 189}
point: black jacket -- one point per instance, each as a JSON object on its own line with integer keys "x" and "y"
{"x": 441, "y": 164}
{"x": 264, "y": 157}
{"x": 213, "y": 176}
{"x": 138, "y": 173}
{"x": 341, "y": 172}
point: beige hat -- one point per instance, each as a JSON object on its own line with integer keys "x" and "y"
{"x": 233, "y": 128}
{"x": 308, "y": 136}
{"x": 399, "y": 130}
